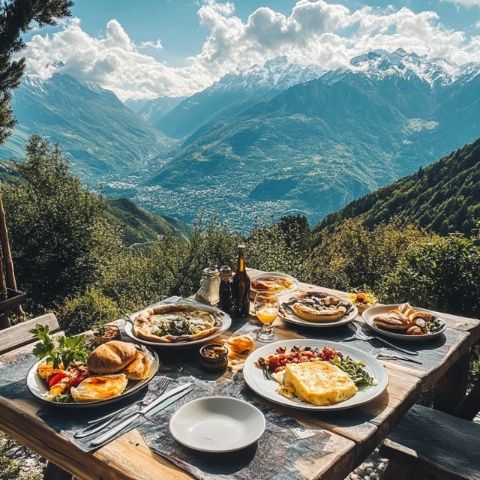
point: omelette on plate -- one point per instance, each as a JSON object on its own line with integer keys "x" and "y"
{"x": 318, "y": 383}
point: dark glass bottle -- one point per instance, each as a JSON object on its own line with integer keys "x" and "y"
{"x": 226, "y": 296}
{"x": 241, "y": 286}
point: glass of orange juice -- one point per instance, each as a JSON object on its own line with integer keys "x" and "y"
{"x": 266, "y": 309}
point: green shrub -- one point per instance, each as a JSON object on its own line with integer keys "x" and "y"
{"x": 441, "y": 274}
{"x": 90, "y": 309}
{"x": 354, "y": 256}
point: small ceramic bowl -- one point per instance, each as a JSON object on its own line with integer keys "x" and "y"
{"x": 213, "y": 357}
{"x": 217, "y": 424}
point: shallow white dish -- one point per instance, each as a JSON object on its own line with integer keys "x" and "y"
{"x": 294, "y": 288}
{"x": 267, "y": 388}
{"x": 293, "y": 319}
{"x": 369, "y": 314}
{"x": 38, "y": 387}
{"x": 217, "y": 424}
{"x": 225, "y": 320}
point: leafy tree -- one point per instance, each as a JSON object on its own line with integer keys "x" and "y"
{"x": 16, "y": 18}
{"x": 442, "y": 273}
{"x": 57, "y": 229}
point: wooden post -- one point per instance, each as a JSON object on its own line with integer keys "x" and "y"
{"x": 7, "y": 255}
{"x": 450, "y": 391}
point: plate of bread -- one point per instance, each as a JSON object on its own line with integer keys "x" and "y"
{"x": 273, "y": 282}
{"x": 314, "y": 375}
{"x": 111, "y": 372}
{"x": 404, "y": 322}
{"x": 177, "y": 324}
{"x": 317, "y": 309}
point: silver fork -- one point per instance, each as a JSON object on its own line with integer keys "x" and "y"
{"x": 98, "y": 424}
{"x": 395, "y": 356}
{"x": 360, "y": 335}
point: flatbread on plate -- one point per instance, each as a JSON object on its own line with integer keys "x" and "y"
{"x": 175, "y": 323}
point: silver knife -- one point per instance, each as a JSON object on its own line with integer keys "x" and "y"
{"x": 118, "y": 428}
{"x": 168, "y": 402}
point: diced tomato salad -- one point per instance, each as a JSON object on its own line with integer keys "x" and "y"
{"x": 277, "y": 362}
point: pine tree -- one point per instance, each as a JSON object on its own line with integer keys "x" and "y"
{"x": 16, "y": 18}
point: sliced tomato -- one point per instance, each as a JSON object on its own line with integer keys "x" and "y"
{"x": 56, "y": 378}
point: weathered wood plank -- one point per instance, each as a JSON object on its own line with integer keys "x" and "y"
{"x": 17, "y": 336}
{"x": 435, "y": 445}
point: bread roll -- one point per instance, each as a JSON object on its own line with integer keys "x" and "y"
{"x": 111, "y": 357}
{"x": 139, "y": 368}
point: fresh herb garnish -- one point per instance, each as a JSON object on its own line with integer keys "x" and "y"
{"x": 59, "y": 349}
{"x": 175, "y": 326}
{"x": 355, "y": 370}
{"x": 65, "y": 398}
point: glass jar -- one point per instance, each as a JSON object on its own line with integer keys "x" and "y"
{"x": 209, "y": 287}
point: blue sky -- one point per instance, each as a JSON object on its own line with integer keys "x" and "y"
{"x": 175, "y": 22}
{"x": 148, "y": 48}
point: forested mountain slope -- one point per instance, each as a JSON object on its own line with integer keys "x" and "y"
{"x": 443, "y": 197}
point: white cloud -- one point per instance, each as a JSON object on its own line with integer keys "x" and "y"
{"x": 155, "y": 45}
{"x": 465, "y": 3}
{"x": 315, "y": 32}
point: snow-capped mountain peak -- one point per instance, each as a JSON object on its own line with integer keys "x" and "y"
{"x": 380, "y": 63}
{"x": 278, "y": 73}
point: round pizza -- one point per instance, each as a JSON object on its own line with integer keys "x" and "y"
{"x": 316, "y": 307}
{"x": 175, "y": 323}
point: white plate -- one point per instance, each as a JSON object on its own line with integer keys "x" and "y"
{"x": 39, "y": 388}
{"x": 369, "y": 314}
{"x": 225, "y": 320}
{"x": 266, "y": 388}
{"x": 294, "y": 288}
{"x": 305, "y": 323}
{"x": 217, "y": 424}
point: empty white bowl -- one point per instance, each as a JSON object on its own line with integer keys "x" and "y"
{"x": 217, "y": 424}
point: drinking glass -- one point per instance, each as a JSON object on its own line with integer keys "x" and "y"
{"x": 266, "y": 309}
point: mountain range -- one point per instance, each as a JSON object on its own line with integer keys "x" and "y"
{"x": 100, "y": 135}
{"x": 318, "y": 145}
{"x": 277, "y": 139}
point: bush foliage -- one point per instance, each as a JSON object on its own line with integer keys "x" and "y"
{"x": 70, "y": 256}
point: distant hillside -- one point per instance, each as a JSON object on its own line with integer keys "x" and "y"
{"x": 443, "y": 197}
{"x": 99, "y": 134}
{"x": 139, "y": 225}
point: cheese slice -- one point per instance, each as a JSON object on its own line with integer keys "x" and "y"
{"x": 318, "y": 383}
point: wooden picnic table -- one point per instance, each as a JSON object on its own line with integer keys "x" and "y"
{"x": 353, "y": 434}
